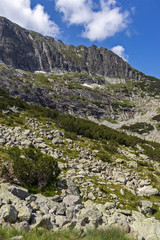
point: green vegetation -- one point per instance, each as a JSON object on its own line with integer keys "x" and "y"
{"x": 149, "y": 84}
{"x": 33, "y": 168}
{"x": 123, "y": 104}
{"x": 77, "y": 126}
{"x": 139, "y": 127}
{"x": 41, "y": 234}
{"x": 111, "y": 120}
{"x": 77, "y": 86}
{"x": 157, "y": 118}
{"x": 152, "y": 151}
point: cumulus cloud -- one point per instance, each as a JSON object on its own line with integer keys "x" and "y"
{"x": 99, "y": 22}
{"x": 20, "y": 12}
{"x": 120, "y": 51}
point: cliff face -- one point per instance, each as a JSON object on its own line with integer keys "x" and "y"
{"x": 31, "y": 51}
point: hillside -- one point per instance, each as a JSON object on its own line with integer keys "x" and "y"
{"x": 76, "y": 140}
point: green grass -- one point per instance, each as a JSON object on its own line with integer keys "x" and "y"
{"x": 77, "y": 86}
{"x": 111, "y": 120}
{"x": 122, "y": 104}
{"x": 40, "y": 234}
{"x": 109, "y": 234}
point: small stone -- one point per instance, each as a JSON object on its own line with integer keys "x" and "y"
{"x": 109, "y": 205}
{"x": 133, "y": 164}
{"x": 119, "y": 160}
{"x": 91, "y": 196}
{"x": 24, "y": 226}
{"x": 61, "y": 209}
{"x": 17, "y": 238}
{"x": 121, "y": 180}
{"x": 58, "y": 133}
{"x": 122, "y": 192}
{"x": 57, "y": 141}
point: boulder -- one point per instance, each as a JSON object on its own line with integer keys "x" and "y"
{"x": 146, "y": 228}
{"x": 45, "y": 222}
{"x": 91, "y": 196}
{"x": 58, "y": 133}
{"x": 110, "y": 205}
{"x": 147, "y": 191}
{"x": 70, "y": 200}
{"x": 146, "y": 207}
{"x": 24, "y": 213}
{"x": 61, "y": 221}
{"x": 9, "y": 213}
{"x": 132, "y": 164}
{"x": 57, "y": 141}
{"x": 18, "y": 191}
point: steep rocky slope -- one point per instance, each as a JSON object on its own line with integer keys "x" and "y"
{"x": 31, "y": 51}
{"x": 89, "y": 97}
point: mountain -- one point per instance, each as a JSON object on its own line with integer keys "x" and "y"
{"x": 79, "y": 140}
{"x": 31, "y": 51}
{"x": 91, "y": 82}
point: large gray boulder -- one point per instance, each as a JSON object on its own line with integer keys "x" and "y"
{"x": 146, "y": 207}
{"x": 147, "y": 191}
{"x": 70, "y": 200}
{"x": 24, "y": 213}
{"x": 18, "y": 191}
{"x": 9, "y": 213}
{"x": 45, "y": 222}
{"x": 146, "y": 228}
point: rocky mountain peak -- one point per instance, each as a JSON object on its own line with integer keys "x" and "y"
{"x": 31, "y": 51}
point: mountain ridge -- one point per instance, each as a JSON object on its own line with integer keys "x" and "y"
{"x": 31, "y": 51}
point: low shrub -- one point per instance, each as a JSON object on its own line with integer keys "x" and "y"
{"x": 31, "y": 167}
{"x": 105, "y": 157}
{"x": 139, "y": 127}
{"x": 157, "y": 118}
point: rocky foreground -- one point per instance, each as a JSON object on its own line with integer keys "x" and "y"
{"x": 24, "y": 211}
{"x": 91, "y": 193}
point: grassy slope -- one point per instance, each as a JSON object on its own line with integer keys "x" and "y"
{"x": 110, "y": 234}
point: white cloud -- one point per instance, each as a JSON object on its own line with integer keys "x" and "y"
{"x": 120, "y": 51}
{"x": 98, "y": 24}
{"x": 20, "y": 12}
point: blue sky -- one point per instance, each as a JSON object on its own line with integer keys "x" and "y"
{"x": 128, "y": 27}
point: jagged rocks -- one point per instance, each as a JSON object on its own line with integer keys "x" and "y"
{"x": 47, "y": 212}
